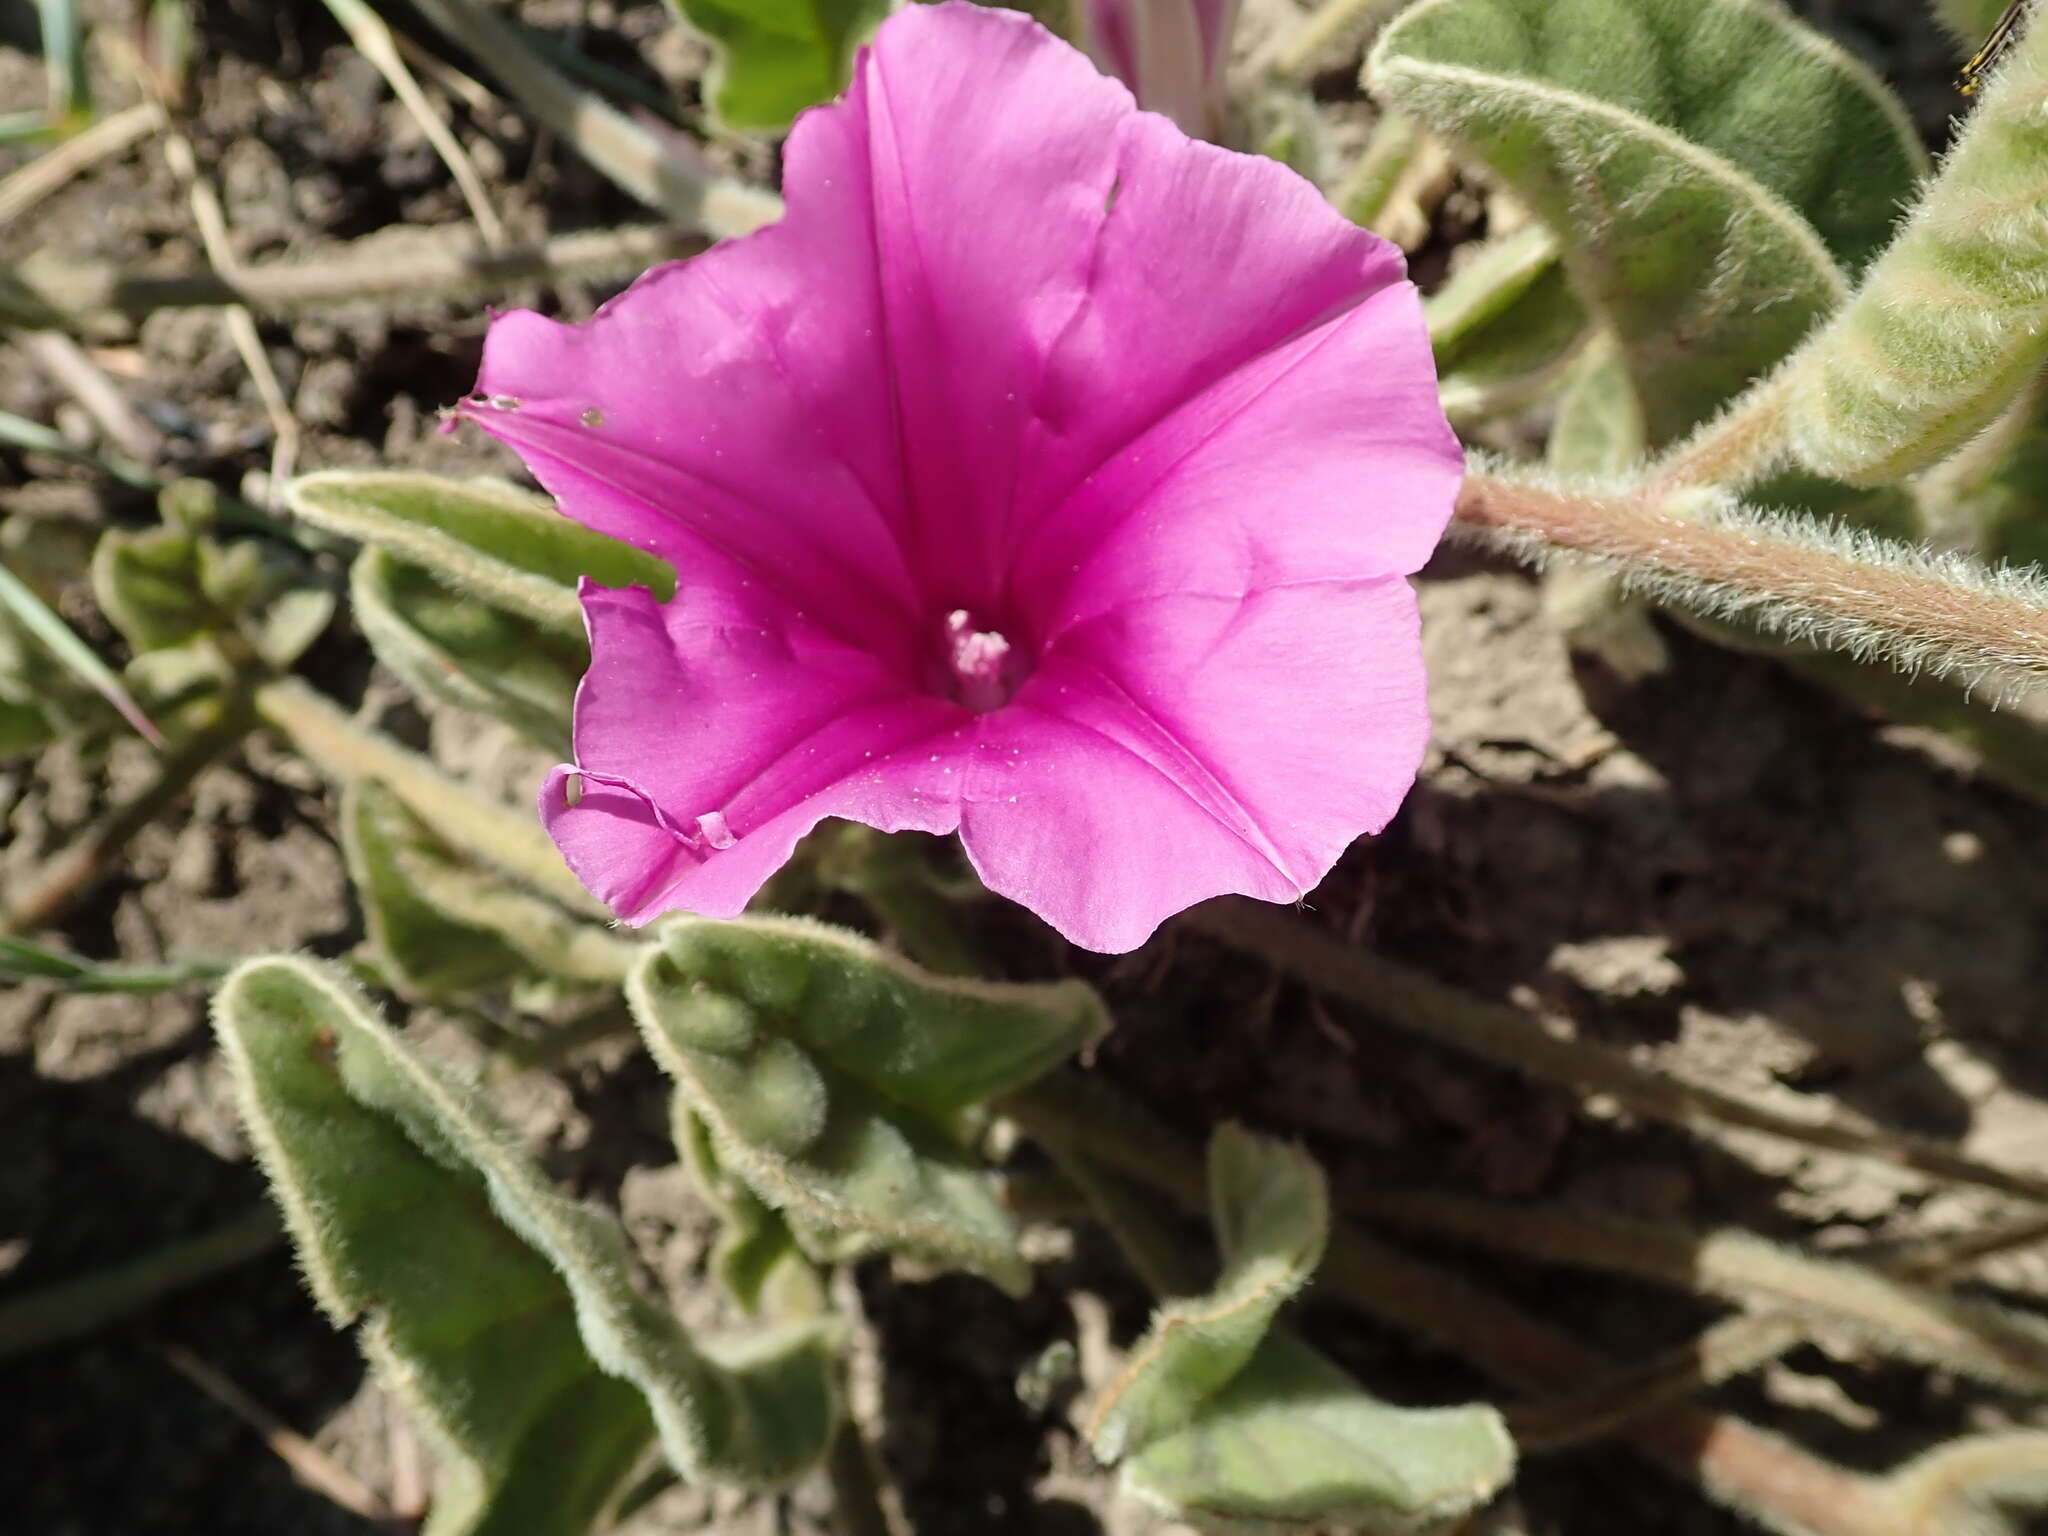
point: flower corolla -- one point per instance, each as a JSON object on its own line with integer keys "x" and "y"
{"x": 1043, "y": 475}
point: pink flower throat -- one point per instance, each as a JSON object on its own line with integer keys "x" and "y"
{"x": 983, "y": 668}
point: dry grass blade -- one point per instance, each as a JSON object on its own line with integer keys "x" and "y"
{"x": 1731, "y": 1348}
{"x": 49, "y": 171}
{"x": 310, "y": 1465}
{"x": 374, "y": 41}
{"x": 64, "y": 361}
{"x": 1967, "y": 1335}
{"x": 213, "y": 234}
{"x": 61, "y": 641}
{"x": 367, "y": 271}
{"x": 90, "y": 855}
{"x": 630, "y": 154}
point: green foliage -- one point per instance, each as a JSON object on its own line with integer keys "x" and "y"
{"x": 22, "y": 960}
{"x": 36, "y": 703}
{"x": 835, "y": 1079}
{"x": 482, "y": 538}
{"x": 1504, "y": 324}
{"x": 1952, "y": 321}
{"x": 439, "y": 925}
{"x": 175, "y": 584}
{"x": 1969, "y": 22}
{"x": 1272, "y": 1213}
{"x": 503, "y": 1311}
{"x": 148, "y": 584}
{"x": 471, "y": 654}
{"x": 754, "y": 1241}
{"x": 2005, "y": 512}
{"x": 1233, "y": 1426}
{"x": 1711, "y": 166}
{"x": 776, "y": 57}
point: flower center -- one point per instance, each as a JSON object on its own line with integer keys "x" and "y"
{"x": 983, "y": 668}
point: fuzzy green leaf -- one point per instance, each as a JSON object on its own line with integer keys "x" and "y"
{"x": 483, "y": 538}
{"x": 754, "y": 1240}
{"x": 776, "y": 57}
{"x": 167, "y": 586}
{"x": 1232, "y": 1425}
{"x": 1952, "y": 321}
{"x": 1504, "y": 325}
{"x": 1272, "y": 1213}
{"x": 1711, "y": 166}
{"x": 1293, "y": 1445}
{"x": 440, "y": 925}
{"x": 834, "y": 1077}
{"x": 467, "y": 652}
{"x": 24, "y": 728}
{"x": 503, "y": 1310}
{"x": 147, "y": 584}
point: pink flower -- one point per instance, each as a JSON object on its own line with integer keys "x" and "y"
{"x": 1043, "y": 475}
{"x": 1172, "y": 53}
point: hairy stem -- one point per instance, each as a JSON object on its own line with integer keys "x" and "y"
{"x": 1792, "y": 576}
{"x": 1511, "y": 1038}
{"x": 1969, "y": 1336}
{"x": 1363, "y": 194}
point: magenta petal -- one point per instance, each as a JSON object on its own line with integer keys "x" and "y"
{"x": 1285, "y": 471}
{"x": 1188, "y": 747}
{"x": 713, "y": 732}
{"x": 613, "y": 838}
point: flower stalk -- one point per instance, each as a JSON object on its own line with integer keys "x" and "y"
{"x": 1921, "y": 611}
{"x": 1511, "y": 1038}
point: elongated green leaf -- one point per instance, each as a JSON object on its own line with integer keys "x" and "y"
{"x": 481, "y": 537}
{"x": 21, "y": 960}
{"x": 1232, "y": 1425}
{"x": 502, "y": 1309}
{"x": 1952, "y": 321}
{"x": 469, "y": 652}
{"x": 833, "y": 1077}
{"x": 1272, "y": 1214}
{"x": 36, "y": 619}
{"x": 64, "y": 61}
{"x": 776, "y": 57}
{"x": 1711, "y": 166}
{"x": 441, "y": 925}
